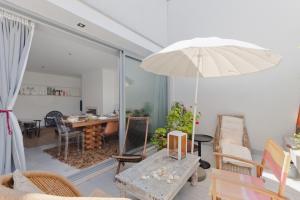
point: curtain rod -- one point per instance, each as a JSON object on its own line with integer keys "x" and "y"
{"x": 15, "y": 17}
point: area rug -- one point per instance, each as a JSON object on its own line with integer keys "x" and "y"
{"x": 47, "y": 136}
{"x": 88, "y": 158}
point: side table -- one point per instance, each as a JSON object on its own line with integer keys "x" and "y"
{"x": 202, "y": 138}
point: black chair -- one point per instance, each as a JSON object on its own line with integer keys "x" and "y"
{"x": 50, "y": 118}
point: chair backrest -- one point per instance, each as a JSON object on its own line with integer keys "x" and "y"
{"x": 111, "y": 128}
{"x": 278, "y": 161}
{"x": 136, "y": 134}
{"x": 232, "y": 128}
{"x": 61, "y": 126}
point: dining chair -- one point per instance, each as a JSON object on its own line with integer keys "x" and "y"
{"x": 134, "y": 149}
{"x": 230, "y": 185}
{"x": 111, "y": 129}
{"x": 66, "y": 133}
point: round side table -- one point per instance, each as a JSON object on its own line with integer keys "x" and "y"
{"x": 202, "y": 138}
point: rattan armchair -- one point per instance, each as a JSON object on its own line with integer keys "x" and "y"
{"x": 54, "y": 186}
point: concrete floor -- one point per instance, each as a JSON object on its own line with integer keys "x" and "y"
{"x": 104, "y": 180}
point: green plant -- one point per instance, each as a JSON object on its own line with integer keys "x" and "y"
{"x": 179, "y": 118}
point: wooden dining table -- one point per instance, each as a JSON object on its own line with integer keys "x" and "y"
{"x": 92, "y": 130}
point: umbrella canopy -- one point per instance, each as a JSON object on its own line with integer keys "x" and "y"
{"x": 219, "y": 57}
{"x": 209, "y": 57}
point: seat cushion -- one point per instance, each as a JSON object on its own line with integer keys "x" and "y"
{"x": 232, "y": 130}
{"x": 228, "y": 191}
{"x": 23, "y": 184}
{"x": 238, "y": 151}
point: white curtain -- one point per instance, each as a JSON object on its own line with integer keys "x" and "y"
{"x": 15, "y": 40}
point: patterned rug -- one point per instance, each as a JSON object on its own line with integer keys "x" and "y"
{"x": 88, "y": 158}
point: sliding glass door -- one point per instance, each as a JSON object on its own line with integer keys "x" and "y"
{"x": 145, "y": 94}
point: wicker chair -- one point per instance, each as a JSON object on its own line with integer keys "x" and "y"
{"x": 53, "y": 185}
{"x": 245, "y": 142}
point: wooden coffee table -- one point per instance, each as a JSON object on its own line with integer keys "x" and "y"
{"x": 158, "y": 177}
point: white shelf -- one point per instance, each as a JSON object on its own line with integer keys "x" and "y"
{"x": 42, "y": 90}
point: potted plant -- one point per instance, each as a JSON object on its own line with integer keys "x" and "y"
{"x": 179, "y": 118}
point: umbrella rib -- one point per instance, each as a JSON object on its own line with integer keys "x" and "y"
{"x": 209, "y": 52}
{"x": 247, "y": 50}
{"x": 235, "y": 54}
{"x": 217, "y": 51}
{"x": 230, "y": 51}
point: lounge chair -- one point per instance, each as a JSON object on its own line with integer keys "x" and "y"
{"x": 231, "y": 138}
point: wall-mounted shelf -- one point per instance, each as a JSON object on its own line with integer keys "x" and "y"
{"x": 41, "y": 90}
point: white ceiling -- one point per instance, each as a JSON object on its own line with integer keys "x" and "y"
{"x": 57, "y": 52}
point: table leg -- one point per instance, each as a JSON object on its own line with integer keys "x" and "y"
{"x": 203, "y": 163}
{"x": 123, "y": 192}
{"x": 194, "y": 178}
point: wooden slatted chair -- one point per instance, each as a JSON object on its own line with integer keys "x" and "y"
{"x": 231, "y": 137}
{"x": 230, "y": 185}
{"x": 136, "y": 136}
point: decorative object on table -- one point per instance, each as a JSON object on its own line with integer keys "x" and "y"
{"x": 158, "y": 176}
{"x": 209, "y": 57}
{"x": 230, "y": 185}
{"x": 177, "y": 145}
{"x": 136, "y": 136}
{"x": 231, "y": 137}
{"x": 65, "y": 133}
{"x": 202, "y": 138}
{"x": 49, "y": 118}
{"x": 298, "y": 123}
{"x": 179, "y": 118}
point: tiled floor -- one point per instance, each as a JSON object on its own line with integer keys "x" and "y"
{"x": 200, "y": 191}
{"x": 37, "y": 160}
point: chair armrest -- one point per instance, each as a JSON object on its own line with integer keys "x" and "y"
{"x": 249, "y": 186}
{"x": 219, "y": 156}
{"x": 253, "y": 163}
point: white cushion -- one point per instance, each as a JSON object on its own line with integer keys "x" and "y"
{"x": 238, "y": 151}
{"x": 23, "y": 184}
{"x": 232, "y": 130}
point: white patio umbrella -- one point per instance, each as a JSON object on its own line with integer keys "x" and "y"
{"x": 209, "y": 57}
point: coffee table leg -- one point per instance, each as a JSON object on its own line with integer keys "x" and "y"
{"x": 123, "y": 191}
{"x": 194, "y": 178}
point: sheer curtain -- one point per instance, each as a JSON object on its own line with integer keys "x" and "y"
{"x": 15, "y": 40}
{"x": 160, "y": 101}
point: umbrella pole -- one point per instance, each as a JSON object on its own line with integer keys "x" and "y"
{"x": 195, "y": 105}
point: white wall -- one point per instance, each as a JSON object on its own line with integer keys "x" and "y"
{"x": 100, "y": 90}
{"x": 110, "y": 90}
{"x": 92, "y": 90}
{"x": 268, "y": 99}
{"x": 148, "y": 18}
{"x": 36, "y": 107}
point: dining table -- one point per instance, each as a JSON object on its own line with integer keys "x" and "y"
{"x": 92, "y": 130}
